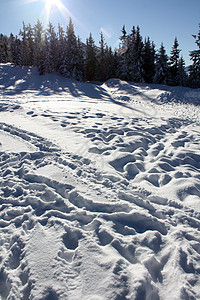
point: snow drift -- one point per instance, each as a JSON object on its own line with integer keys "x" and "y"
{"x": 99, "y": 189}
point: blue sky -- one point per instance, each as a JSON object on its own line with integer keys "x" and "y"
{"x": 160, "y": 20}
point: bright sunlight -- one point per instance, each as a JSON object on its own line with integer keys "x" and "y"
{"x": 50, "y": 4}
{"x": 55, "y": 6}
{"x": 50, "y": 7}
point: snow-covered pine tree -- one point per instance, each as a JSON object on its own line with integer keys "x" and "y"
{"x": 80, "y": 61}
{"x": 37, "y": 47}
{"x": 174, "y": 61}
{"x": 61, "y": 47}
{"x": 137, "y": 71}
{"x": 161, "y": 67}
{"x": 110, "y": 63}
{"x": 148, "y": 61}
{"x": 53, "y": 47}
{"x": 70, "y": 64}
{"x": 24, "y": 52}
{"x": 182, "y": 76}
{"x": 26, "y": 49}
{"x": 30, "y": 44}
{"x": 90, "y": 59}
{"x": 132, "y": 55}
{"x": 15, "y": 50}
{"x": 48, "y": 61}
{"x": 3, "y": 49}
{"x": 44, "y": 64}
{"x": 11, "y": 43}
{"x": 101, "y": 68}
{"x": 123, "y": 52}
{"x": 194, "y": 76}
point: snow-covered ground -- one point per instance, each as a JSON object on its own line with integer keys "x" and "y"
{"x": 99, "y": 189}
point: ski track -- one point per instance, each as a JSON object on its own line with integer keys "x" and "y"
{"x": 127, "y": 230}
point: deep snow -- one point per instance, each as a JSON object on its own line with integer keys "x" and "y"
{"x": 99, "y": 189}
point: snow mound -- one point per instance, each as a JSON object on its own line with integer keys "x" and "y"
{"x": 153, "y": 92}
{"x": 181, "y": 95}
{"x": 25, "y": 82}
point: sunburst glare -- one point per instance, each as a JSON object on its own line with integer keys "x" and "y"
{"x": 51, "y": 7}
{"x": 55, "y": 5}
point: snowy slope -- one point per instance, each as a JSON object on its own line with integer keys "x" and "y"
{"x": 99, "y": 189}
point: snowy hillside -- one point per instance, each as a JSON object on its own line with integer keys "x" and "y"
{"x": 99, "y": 189}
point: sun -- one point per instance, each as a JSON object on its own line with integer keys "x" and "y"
{"x": 52, "y": 6}
{"x": 53, "y": 3}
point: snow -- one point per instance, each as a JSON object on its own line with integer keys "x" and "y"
{"x": 99, "y": 189}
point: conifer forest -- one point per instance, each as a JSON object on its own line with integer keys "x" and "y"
{"x": 136, "y": 59}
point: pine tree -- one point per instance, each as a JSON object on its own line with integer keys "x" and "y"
{"x": 3, "y": 49}
{"x": 194, "y": 76}
{"x": 61, "y": 47}
{"x": 123, "y": 71}
{"x": 182, "y": 76}
{"x": 48, "y": 54}
{"x": 80, "y": 61}
{"x": 132, "y": 56}
{"x": 44, "y": 64}
{"x": 38, "y": 40}
{"x": 137, "y": 69}
{"x": 161, "y": 67}
{"x": 52, "y": 47}
{"x": 90, "y": 59}
{"x": 174, "y": 61}
{"x": 70, "y": 64}
{"x": 148, "y": 61}
{"x": 124, "y": 41}
{"x": 16, "y": 51}
{"x": 110, "y": 63}
{"x": 11, "y": 43}
{"x": 26, "y": 49}
{"x": 101, "y": 68}
{"x": 30, "y": 44}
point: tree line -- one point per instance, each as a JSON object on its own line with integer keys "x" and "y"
{"x": 136, "y": 59}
